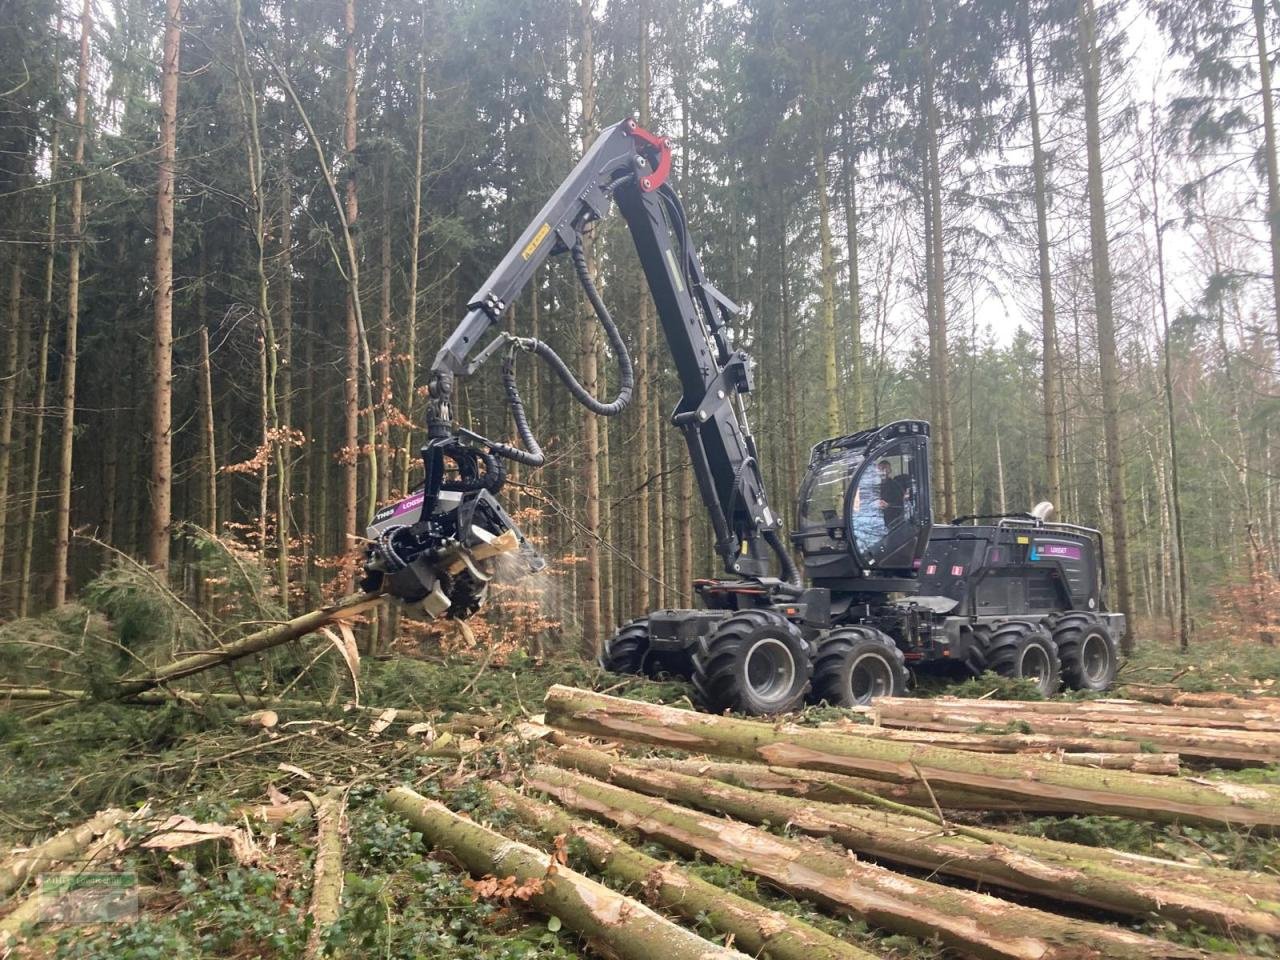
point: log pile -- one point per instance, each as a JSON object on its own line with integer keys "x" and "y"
{"x": 860, "y": 821}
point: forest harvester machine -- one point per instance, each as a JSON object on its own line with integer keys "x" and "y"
{"x": 887, "y": 591}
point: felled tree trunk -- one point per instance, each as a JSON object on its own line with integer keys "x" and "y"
{"x": 1174, "y": 697}
{"x": 256, "y": 642}
{"x": 1225, "y": 901}
{"x": 1219, "y": 746}
{"x": 837, "y": 788}
{"x": 626, "y": 928}
{"x": 973, "y": 924}
{"x": 1236, "y": 717}
{"x": 1074, "y": 789}
{"x": 754, "y": 928}
{"x": 66, "y": 846}
{"x": 326, "y": 883}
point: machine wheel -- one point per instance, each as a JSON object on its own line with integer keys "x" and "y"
{"x": 627, "y": 649}
{"x": 755, "y": 662}
{"x": 1088, "y": 651}
{"x": 1019, "y": 648}
{"x": 854, "y": 665}
{"x": 628, "y": 652}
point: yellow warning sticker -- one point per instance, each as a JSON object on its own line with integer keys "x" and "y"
{"x": 1024, "y": 539}
{"x": 532, "y": 246}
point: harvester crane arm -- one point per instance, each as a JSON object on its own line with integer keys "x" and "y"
{"x": 630, "y": 166}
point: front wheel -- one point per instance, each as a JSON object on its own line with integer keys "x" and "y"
{"x": 755, "y": 662}
{"x": 854, "y": 665}
{"x": 627, "y": 649}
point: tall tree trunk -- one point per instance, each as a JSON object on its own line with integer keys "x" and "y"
{"x": 1273, "y": 176}
{"x": 591, "y": 602}
{"x": 936, "y": 257}
{"x": 1102, "y": 294}
{"x": 62, "y": 522}
{"x": 411, "y": 334}
{"x": 1048, "y": 320}
{"x": 1183, "y": 629}
{"x": 42, "y": 366}
{"x": 830, "y": 344}
{"x": 645, "y": 403}
{"x": 273, "y": 441}
{"x": 351, "y": 383}
{"x": 9, "y": 393}
{"x": 208, "y": 445}
{"x": 855, "y": 286}
{"x": 160, "y": 526}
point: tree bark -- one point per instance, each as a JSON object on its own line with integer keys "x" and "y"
{"x": 1226, "y": 901}
{"x": 351, "y": 383}
{"x": 1224, "y": 747}
{"x": 1240, "y": 714}
{"x": 1102, "y": 294}
{"x": 623, "y": 927}
{"x": 830, "y": 344}
{"x": 9, "y": 394}
{"x": 1048, "y": 316}
{"x": 855, "y": 284}
{"x": 256, "y": 642}
{"x": 835, "y": 788}
{"x": 208, "y": 445}
{"x": 973, "y": 924}
{"x": 160, "y": 527}
{"x": 1078, "y": 789}
{"x": 592, "y": 603}
{"x": 66, "y": 846}
{"x": 664, "y": 885}
{"x": 415, "y": 240}
{"x": 62, "y": 521}
{"x": 936, "y": 258}
{"x": 326, "y": 875}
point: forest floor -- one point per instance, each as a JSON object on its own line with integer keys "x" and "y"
{"x": 59, "y": 765}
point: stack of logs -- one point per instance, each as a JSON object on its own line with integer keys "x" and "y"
{"x": 860, "y": 820}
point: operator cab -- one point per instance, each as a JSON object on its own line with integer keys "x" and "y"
{"x": 864, "y": 514}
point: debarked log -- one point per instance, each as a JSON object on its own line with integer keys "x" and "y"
{"x": 1226, "y": 901}
{"x": 755, "y": 928}
{"x": 973, "y": 924}
{"x": 1075, "y": 789}
{"x": 627, "y": 928}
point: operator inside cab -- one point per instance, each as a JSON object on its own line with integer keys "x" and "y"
{"x": 880, "y": 504}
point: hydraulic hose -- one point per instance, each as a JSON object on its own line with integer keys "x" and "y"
{"x": 533, "y": 456}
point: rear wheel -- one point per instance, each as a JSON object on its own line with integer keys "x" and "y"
{"x": 755, "y": 662}
{"x": 1023, "y": 650}
{"x": 1088, "y": 651}
{"x": 854, "y": 665}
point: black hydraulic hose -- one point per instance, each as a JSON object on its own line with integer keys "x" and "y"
{"x": 534, "y": 456}
{"x": 789, "y": 570}
{"x": 626, "y": 376}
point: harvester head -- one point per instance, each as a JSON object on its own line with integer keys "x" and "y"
{"x": 439, "y": 561}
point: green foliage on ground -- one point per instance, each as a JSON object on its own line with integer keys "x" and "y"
{"x": 61, "y": 763}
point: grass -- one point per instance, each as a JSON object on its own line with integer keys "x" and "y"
{"x": 59, "y": 767}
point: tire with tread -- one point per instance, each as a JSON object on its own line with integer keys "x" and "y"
{"x": 856, "y": 664}
{"x": 627, "y": 649}
{"x": 1016, "y": 648}
{"x": 755, "y": 662}
{"x": 1089, "y": 653}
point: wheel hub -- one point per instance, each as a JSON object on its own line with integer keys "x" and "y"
{"x": 1094, "y": 657}
{"x": 870, "y": 677}
{"x": 1035, "y": 664}
{"x": 770, "y": 668}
